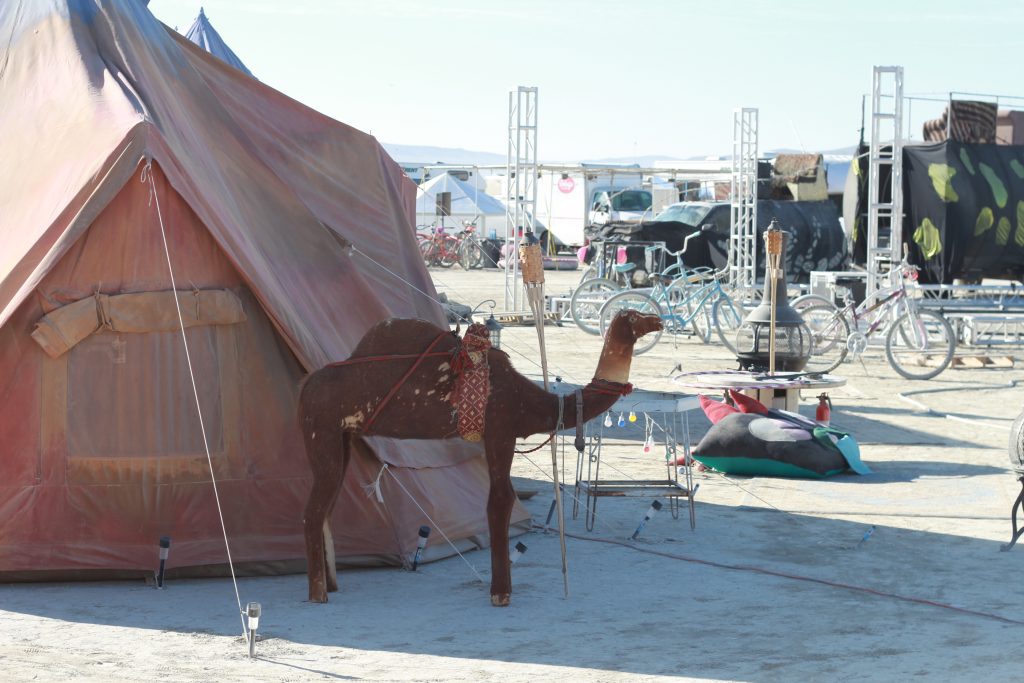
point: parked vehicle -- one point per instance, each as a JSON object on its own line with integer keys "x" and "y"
{"x": 571, "y": 199}
{"x": 817, "y": 241}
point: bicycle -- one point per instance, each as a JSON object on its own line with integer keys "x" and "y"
{"x": 471, "y": 252}
{"x": 679, "y": 309}
{"x": 919, "y": 343}
{"x": 670, "y": 296}
{"x": 438, "y": 248}
{"x": 592, "y": 293}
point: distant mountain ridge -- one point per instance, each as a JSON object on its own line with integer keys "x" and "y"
{"x": 426, "y": 154}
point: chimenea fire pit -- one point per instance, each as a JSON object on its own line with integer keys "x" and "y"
{"x": 792, "y": 336}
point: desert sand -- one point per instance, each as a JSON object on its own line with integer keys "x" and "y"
{"x": 779, "y": 581}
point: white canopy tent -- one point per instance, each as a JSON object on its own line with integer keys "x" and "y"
{"x": 468, "y": 203}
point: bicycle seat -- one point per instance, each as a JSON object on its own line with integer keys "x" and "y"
{"x": 623, "y": 267}
{"x": 661, "y": 278}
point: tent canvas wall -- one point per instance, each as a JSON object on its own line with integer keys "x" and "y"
{"x": 281, "y": 225}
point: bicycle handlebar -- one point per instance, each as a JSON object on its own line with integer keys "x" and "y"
{"x": 686, "y": 242}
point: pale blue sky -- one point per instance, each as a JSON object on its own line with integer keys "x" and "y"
{"x": 616, "y": 78}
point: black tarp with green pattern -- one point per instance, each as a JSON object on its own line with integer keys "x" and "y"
{"x": 964, "y": 210}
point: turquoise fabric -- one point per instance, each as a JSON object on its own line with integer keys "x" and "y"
{"x": 761, "y": 467}
{"x": 846, "y": 444}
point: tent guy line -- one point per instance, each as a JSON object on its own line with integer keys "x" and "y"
{"x": 799, "y": 577}
{"x": 154, "y": 200}
{"x": 434, "y": 524}
{"x": 561, "y": 372}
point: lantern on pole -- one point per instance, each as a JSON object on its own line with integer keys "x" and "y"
{"x": 532, "y": 267}
{"x": 493, "y": 326}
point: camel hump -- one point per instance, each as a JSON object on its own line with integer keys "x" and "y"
{"x": 400, "y": 336}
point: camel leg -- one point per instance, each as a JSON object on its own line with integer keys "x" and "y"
{"x": 330, "y": 563}
{"x": 499, "y": 513}
{"x": 328, "y": 472}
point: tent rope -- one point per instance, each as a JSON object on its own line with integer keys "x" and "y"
{"x": 432, "y": 522}
{"x": 147, "y": 176}
{"x": 561, "y": 372}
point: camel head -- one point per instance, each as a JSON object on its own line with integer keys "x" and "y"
{"x": 628, "y": 325}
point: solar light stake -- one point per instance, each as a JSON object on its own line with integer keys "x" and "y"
{"x": 551, "y": 510}
{"x": 165, "y": 548}
{"x": 252, "y": 611}
{"x": 655, "y": 506}
{"x": 518, "y": 552}
{"x": 421, "y": 543}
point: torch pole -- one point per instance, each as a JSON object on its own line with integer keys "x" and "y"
{"x": 773, "y": 250}
{"x": 533, "y": 280}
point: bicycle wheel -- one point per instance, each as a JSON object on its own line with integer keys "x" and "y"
{"x": 920, "y": 344}
{"x": 428, "y": 251}
{"x": 805, "y": 300}
{"x": 586, "y": 301}
{"x": 829, "y": 332}
{"x": 470, "y": 255}
{"x": 447, "y": 251}
{"x": 638, "y": 301}
{"x": 726, "y": 316}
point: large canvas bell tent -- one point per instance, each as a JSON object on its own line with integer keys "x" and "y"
{"x": 121, "y": 137}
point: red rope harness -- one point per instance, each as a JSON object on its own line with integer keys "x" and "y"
{"x": 542, "y": 445}
{"x": 420, "y": 357}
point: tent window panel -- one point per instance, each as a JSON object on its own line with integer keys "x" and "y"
{"x": 130, "y": 395}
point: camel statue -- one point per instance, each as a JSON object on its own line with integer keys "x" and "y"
{"x": 391, "y": 387}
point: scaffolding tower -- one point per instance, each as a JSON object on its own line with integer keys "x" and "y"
{"x": 743, "y": 198}
{"x": 521, "y": 185}
{"x": 885, "y": 214}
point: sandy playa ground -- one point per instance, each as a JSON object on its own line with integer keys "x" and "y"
{"x": 775, "y": 583}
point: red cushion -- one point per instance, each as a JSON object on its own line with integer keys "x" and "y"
{"x": 747, "y": 404}
{"x": 715, "y": 410}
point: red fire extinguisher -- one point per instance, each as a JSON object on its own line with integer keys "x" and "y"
{"x": 824, "y": 412}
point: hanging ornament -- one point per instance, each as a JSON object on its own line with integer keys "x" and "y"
{"x": 622, "y": 421}
{"x": 632, "y": 416}
{"x": 607, "y": 419}
{"x": 649, "y": 444}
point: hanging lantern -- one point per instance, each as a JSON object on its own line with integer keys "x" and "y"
{"x": 792, "y": 339}
{"x": 493, "y": 331}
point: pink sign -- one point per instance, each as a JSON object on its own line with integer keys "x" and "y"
{"x": 566, "y": 185}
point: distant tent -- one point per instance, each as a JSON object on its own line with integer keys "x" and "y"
{"x": 285, "y": 229}
{"x": 205, "y": 36}
{"x": 467, "y": 204}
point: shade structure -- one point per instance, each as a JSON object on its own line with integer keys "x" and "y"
{"x": 300, "y": 225}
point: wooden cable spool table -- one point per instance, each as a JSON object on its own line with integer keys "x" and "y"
{"x": 781, "y": 390}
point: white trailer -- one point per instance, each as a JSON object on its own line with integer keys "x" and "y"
{"x": 572, "y": 197}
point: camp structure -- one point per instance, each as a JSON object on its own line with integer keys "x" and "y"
{"x": 964, "y": 210}
{"x": 130, "y": 153}
{"x": 203, "y": 34}
{"x": 451, "y": 200}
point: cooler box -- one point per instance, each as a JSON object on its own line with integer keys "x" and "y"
{"x": 830, "y": 283}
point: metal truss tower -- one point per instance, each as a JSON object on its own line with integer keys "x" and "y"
{"x": 521, "y": 184}
{"x": 885, "y": 216}
{"x": 743, "y": 198}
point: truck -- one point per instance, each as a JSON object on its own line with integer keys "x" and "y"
{"x": 574, "y": 197}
